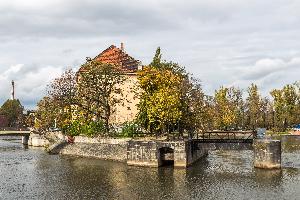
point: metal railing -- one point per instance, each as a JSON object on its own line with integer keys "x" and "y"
{"x": 226, "y": 136}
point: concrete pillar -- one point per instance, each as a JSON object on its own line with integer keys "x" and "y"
{"x": 267, "y": 153}
{"x": 25, "y": 139}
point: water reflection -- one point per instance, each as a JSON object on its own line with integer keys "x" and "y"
{"x": 33, "y": 174}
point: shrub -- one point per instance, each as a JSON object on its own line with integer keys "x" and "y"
{"x": 91, "y": 128}
{"x": 130, "y": 129}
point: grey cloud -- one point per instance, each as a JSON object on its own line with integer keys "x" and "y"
{"x": 220, "y": 42}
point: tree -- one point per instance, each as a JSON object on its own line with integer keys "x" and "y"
{"x": 237, "y": 103}
{"x": 46, "y": 114}
{"x": 253, "y": 107}
{"x": 161, "y": 105}
{"x": 62, "y": 91}
{"x": 99, "y": 90}
{"x": 197, "y": 115}
{"x": 290, "y": 100}
{"x": 286, "y": 105}
{"x": 160, "y": 99}
{"x": 13, "y": 112}
{"x": 225, "y": 112}
{"x": 58, "y": 107}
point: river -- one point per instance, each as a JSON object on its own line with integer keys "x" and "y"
{"x": 30, "y": 173}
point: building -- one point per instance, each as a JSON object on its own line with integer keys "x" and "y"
{"x": 127, "y": 110}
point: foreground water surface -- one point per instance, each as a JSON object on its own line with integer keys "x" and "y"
{"x": 30, "y": 173}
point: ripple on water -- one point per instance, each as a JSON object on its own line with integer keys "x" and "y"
{"x": 33, "y": 174}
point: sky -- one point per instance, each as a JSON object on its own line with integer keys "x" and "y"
{"x": 221, "y": 42}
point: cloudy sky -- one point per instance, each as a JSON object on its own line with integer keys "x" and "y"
{"x": 222, "y": 42}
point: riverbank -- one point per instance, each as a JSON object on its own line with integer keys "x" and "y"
{"x": 150, "y": 153}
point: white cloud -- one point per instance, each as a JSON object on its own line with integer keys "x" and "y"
{"x": 29, "y": 86}
{"x": 268, "y": 74}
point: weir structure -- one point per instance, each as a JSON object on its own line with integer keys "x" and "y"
{"x": 184, "y": 153}
{"x": 24, "y": 133}
{"x": 157, "y": 153}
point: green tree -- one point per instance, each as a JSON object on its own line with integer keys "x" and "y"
{"x": 225, "y": 112}
{"x": 13, "y": 111}
{"x": 162, "y": 105}
{"x": 99, "y": 90}
{"x": 197, "y": 111}
{"x": 286, "y": 105}
{"x": 278, "y": 103}
{"x": 238, "y": 105}
{"x": 46, "y": 114}
{"x": 253, "y": 107}
{"x": 57, "y": 107}
{"x": 290, "y": 100}
{"x": 160, "y": 99}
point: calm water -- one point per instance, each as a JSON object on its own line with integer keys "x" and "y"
{"x": 33, "y": 174}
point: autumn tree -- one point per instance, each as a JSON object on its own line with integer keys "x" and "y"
{"x": 46, "y": 114}
{"x": 286, "y": 107}
{"x": 253, "y": 107}
{"x": 225, "y": 112}
{"x": 58, "y": 106}
{"x": 161, "y": 105}
{"x": 197, "y": 115}
{"x": 238, "y": 105}
{"x": 62, "y": 91}
{"x": 291, "y": 101}
{"x": 99, "y": 90}
{"x": 13, "y": 112}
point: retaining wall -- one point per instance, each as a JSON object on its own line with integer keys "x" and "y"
{"x": 108, "y": 149}
{"x": 148, "y": 153}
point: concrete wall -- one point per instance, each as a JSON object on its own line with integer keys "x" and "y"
{"x": 108, "y": 149}
{"x": 267, "y": 153}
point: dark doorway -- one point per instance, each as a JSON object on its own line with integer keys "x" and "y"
{"x": 166, "y": 156}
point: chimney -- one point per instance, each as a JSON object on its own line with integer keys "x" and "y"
{"x": 122, "y": 46}
{"x": 13, "y": 90}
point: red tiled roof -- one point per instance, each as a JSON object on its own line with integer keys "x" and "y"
{"x": 119, "y": 58}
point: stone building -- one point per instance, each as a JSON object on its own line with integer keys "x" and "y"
{"x": 127, "y": 110}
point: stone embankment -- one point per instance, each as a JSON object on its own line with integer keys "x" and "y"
{"x": 107, "y": 149}
{"x": 149, "y": 153}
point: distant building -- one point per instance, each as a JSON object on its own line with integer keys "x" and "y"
{"x": 296, "y": 130}
{"x": 125, "y": 111}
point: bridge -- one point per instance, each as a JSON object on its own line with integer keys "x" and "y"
{"x": 224, "y": 140}
{"x": 226, "y": 137}
{"x": 183, "y": 153}
{"x": 10, "y": 131}
{"x": 14, "y": 133}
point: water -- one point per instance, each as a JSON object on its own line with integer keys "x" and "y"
{"x": 30, "y": 173}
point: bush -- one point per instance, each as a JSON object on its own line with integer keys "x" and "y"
{"x": 130, "y": 129}
{"x": 89, "y": 129}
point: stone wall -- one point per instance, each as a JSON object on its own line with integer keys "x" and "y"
{"x": 142, "y": 153}
{"x": 37, "y": 140}
{"x": 229, "y": 146}
{"x": 108, "y": 149}
{"x": 149, "y": 153}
